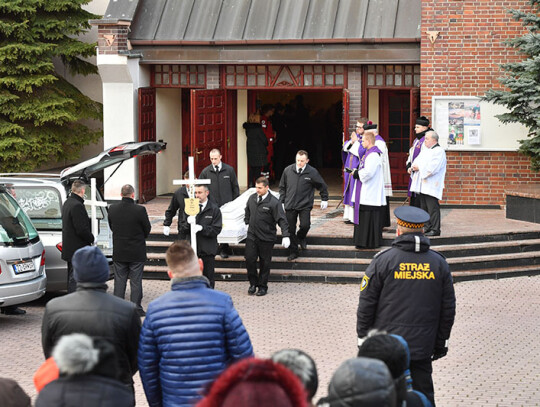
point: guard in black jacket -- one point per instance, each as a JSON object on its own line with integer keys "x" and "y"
{"x": 76, "y": 228}
{"x": 407, "y": 290}
{"x": 223, "y": 187}
{"x": 130, "y": 227}
{"x": 176, "y": 207}
{"x": 296, "y": 191}
{"x": 208, "y": 224}
{"x": 263, "y": 212}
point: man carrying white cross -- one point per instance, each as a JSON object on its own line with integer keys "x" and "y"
{"x": 204, "y": 222}
{"x": 76, "y": 231}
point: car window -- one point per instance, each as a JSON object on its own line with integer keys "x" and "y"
{"x": 42, "y": 205}
{"x": 15, "y": 227}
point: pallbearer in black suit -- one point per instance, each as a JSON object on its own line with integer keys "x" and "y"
{"x": 208, "y": 224}
{"x": 263, "y": 212}
{"x": 130, "y": 227}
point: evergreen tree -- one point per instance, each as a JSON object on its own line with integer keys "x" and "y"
{"x": 40, "y": 112}
{"x": 523, "y": 83}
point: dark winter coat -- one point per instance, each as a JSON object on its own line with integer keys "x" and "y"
{"x": 85, "y": 391}
{"x": 211, "y": 220}
{"x": 297, "y": 191}
{"x": 189, "y": 336}
{"x": 130, "y": 227}
{"x": 76, "y": 226}
{"x": 408, "y": 291}
{"x": 90, "y": 310}
{"x": 224, "y": 186}
{"x": 257, "y": 154}
{"x": 263, "y": 217}
{"x": 176, "y": 207}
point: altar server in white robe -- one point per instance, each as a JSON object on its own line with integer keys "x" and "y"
{"x": 368, "y": 230}
{"x": 381, "y": 144}
{"x": 429, "y": 170}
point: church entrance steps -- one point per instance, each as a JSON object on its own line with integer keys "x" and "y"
{"x": 334, "y": 259}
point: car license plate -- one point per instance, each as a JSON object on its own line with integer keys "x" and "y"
{"x": 24, "y": 267}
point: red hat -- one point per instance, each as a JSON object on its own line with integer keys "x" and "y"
{"x": 256, "y": 382}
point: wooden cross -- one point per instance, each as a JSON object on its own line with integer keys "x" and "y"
{"x": 192, "y": 202}
{"x": 94, "y": 203}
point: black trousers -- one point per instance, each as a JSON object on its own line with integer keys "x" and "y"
{"x": 71, "y": 283}
{"x": 292, "y": 216}
{"x": 209, "y": 263}
{"x": 133, "y": 271}
{"x": 431, "y": 205}
{"x": 415, "y": 200}
{"x": 257, "y": 249}
{"x": 421, "y": 371}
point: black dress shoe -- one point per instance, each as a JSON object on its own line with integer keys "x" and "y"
{"x": 261, "y": 292}
{"x": 432, "y": 233}
{"x": 303, "y": 243}
{"x": 12, "y": 310}
{"x": 224, "y": 254}
{"x": 292, "y": 256}
{"x": 252, "y": 289}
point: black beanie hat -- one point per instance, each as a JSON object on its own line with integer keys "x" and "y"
{"x": 422, "y": 121}
{"x": 90, "y": 265}
{"x": 370, "y": 126}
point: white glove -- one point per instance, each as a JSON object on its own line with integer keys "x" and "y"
{"x": 285, "y": 242}
{"x": 191, "y": 220}
{"x": 166, "y": 230}
{"x": 324, "y": 204}
{"x": 197, "y": 228}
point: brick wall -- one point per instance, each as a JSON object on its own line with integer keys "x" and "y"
{"x": 112, "y": 39}
{"x": 464, "y": 61}
{"x": 480, "y": 178}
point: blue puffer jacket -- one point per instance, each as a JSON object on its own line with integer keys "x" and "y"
{"x": 189, "y": 336}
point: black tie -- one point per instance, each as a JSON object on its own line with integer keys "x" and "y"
{"x": 217, "y": 168}
{"x": 259, "y": 199}
{"x": 200, "y": 207}
{"x": 300, "y": 170}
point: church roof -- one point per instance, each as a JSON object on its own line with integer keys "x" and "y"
{"x": 253, "y": 21}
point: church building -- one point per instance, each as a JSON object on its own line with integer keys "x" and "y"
{"x": 189, "y": 72}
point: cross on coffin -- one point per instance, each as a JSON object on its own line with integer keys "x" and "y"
{"x": 94, "y": 203}
{"x": 192, "y": 203}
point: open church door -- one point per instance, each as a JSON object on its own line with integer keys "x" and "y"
{"x": 208, "y": 125}
{"x": 147, "y": 132}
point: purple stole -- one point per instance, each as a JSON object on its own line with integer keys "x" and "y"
{"x": 351, "y": 161}
{"x": 379, "y": 137}
{"x": 416, "y": 151}
{"x": 373, "y": 149}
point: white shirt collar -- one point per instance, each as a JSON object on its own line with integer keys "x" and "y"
{"x": 204, "y": 204}
{"x": 219, "y": 166}
{"x": 263, "y": 197}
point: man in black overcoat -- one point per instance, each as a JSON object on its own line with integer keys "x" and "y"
{"x": 223, "y": 187}
{"x": 130, "y": 227}
{"x": 208, "y": 224}
{"x": 76, "y": 228}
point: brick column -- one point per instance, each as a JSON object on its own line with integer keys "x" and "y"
{"x": 355, "y": 93}
{"x": 212, "y": 76}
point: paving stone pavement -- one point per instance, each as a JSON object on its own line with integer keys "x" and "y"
{"x": 494, "y": 353}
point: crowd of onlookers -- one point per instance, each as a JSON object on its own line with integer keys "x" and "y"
{"x": 192, "y": 349}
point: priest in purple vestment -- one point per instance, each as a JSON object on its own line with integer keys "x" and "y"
{"x": 351, "y": 154}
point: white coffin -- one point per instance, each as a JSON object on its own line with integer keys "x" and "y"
{"x": 234, "y": 229}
